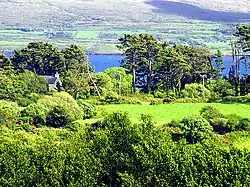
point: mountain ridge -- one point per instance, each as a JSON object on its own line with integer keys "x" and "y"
{"x": 97, "y": 24}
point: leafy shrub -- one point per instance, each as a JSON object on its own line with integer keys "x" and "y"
{"x": 221, "y": 88}
{"x": 130, "y": 100}
{"x": 236, "y": 99}
{"x": 9, "y": 109}
{"x": 159, "y": 94}
{"x": 156, "y": 102}
{"x": 195, "y": 91}
{"x": 210, "y": 112}
{"x": 169, "y": 100}
{"x": 184, "y": 100}
{"x": 244, "y": 124}
{"x": 39, "y": 111}
{"x": 89, "y": 110}
{"x": 220, "y": 125}
{"x": 28, "y": 99}
{"x": 112, "y": 97}
{"x": 118, "y": 153}
{"x": 195, "y": 128}
{"x": 233, "y": 122}
{"x": 58, "y": 117}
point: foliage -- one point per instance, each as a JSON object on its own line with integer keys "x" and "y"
{"x": 218, "y": 68}
{"x": 220, "y": 125}
{"x": 244, "y": 124}
{"x": 121, "y": 81}
{"x": 14, "y": 86}
{"x": 195, "y": 91}
{"x": 5, "y": 63}
{"x": 58, "y": 117}
{"x": 89, "y": 110}
{"x": 8, "y": 111}
{"x": 235, "y": 99}
{"x": 220, "y": 88}
{"x": 210, "y": 112}
{"x": 40, "y": 110}
{"x": 117, "y": 152}
{"x": 103, "y": 84}
{"x": 75, "y": 78}
{"x": 184, "y": 100}
{"x": 40, "y": 57}
{"x": 195, "y": 128}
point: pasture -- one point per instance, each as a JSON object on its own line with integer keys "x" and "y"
{"x": 165, "y": 113}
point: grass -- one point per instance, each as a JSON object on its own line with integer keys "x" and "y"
{"x": 166, "y": 112}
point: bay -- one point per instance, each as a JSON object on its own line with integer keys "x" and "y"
{"x": 102, "y": 62}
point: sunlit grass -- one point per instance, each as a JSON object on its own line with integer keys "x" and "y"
{"x": 164, "y": 113}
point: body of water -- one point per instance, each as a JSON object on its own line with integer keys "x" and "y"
{"x": 103, "y": 62}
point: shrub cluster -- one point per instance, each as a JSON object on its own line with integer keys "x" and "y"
{"x": 63, "y": 106}
{"x": 224, "y": 123}
{"x": 116, "y": 152}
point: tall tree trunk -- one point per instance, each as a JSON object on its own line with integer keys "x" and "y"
{"x": 149, "y": 81}
{"x": 134, "y": 80}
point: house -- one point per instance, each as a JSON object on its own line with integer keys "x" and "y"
{"x": 54, "y": 82}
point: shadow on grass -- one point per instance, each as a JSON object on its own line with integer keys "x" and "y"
{"x": 197, "y": 13}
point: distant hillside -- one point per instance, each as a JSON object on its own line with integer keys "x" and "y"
{"x": 97, "y": 24}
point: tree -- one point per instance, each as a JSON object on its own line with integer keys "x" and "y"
{"x": 102, "y": 82}
{"x": 77, "y": 68}
{"x": 241, "y": 50}
{"x": 76, "y": 83}
{"x": 150, "y": 48}
{"x": 219, "y": 65}
{"x": 121, "y": 81}
{"x": 140, "y": 56}
{"x": 40, "y": 57}
{"x": 5, "y": 63}
{"x": 170, "y": 69}
{"x": 199, "y": 60}
{"x": 130, "y": 47}
{"x": 75, "y": 59}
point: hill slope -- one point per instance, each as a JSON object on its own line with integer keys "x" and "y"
{"x": 97, "y": 24}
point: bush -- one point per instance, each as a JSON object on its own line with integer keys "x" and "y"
{"x": 210, "y": 112}
{"x": 89, "y": 110}
{"x": 233, "y": 122}
{"x": 9, "y": 109}
{"x": 58, "y": 117}
{"x": 195, "y": 91}
{"x": 130, "y": 100}
{"x": 160, "y": 94}
{"x": 156, "y": 102}
{"x": 236, "y": 99}
{"x": 169, "y": 100}
{"x": 221, "y": 88}
{"x": 112, "y": 97}
{"x": 27, "y": 100}
{"x": 184, "y": 100}
{"x": 220, "y": 125}
{"x": 229, "y": 123}
{"x": 39, "y": 111}
{"x": 195, "y": 128}
{"x": 244, "y": 124}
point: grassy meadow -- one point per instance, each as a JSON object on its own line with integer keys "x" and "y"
{"x": 164, "y": 113}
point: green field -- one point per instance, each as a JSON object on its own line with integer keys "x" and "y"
{"x": 164, "y": 113}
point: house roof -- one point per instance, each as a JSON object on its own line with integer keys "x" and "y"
{"x": 50, "y": 79}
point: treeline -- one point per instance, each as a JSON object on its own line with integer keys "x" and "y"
{"x": 157, "y": 66}
{"x": 149, "y": 66}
